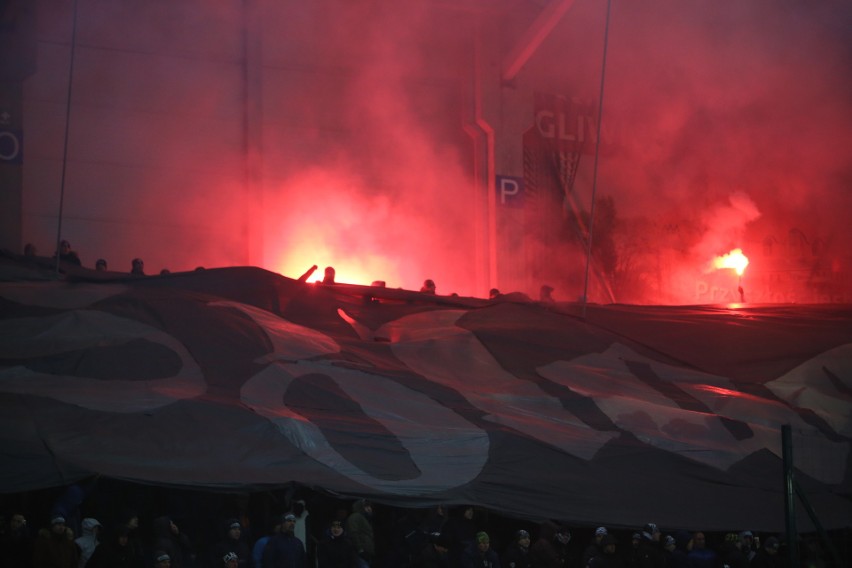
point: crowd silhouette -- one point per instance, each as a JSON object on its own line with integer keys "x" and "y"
{"x": 96, "y": 525}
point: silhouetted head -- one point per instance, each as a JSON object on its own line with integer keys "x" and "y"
{"x": 328, "y": 277}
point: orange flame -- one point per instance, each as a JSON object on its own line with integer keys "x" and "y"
{"x": 734, "y": 259}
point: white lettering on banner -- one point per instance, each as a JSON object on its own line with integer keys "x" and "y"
{"x": 82, "y": 329}
{"x": 290, "y": 341}
{"x": 622, "y": 396}
{"x": 810, "y": 386}
{"x": 447, "y": 450}
{"x": 431, "y": 344}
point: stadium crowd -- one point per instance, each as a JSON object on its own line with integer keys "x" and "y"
{"x": 109, "y": 524}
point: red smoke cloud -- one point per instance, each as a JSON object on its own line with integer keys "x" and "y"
{"x": 734, "y": 120}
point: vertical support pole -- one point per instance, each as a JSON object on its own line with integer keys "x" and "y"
{"x": 789, "y": 495}
{"x": 254, "y": 220}
{"x": 597, "y": 159}
{"x": 67, "y": 133}
{"x": 485, "y": 204}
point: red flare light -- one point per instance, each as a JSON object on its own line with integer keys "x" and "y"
{"x": 734, "y": 259}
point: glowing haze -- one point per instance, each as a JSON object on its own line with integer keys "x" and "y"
{"x": 733, "y": 119}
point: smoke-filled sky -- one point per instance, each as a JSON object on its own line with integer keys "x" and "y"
{"x": 734, "y": 117}
{"x": 740, "y": 119}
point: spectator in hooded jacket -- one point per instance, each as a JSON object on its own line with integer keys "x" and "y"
{"x": 359, "y": 531}
{"x": 88, "y": 541}
{"x": 116, "y": 550}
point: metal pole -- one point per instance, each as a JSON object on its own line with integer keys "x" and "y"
{"x": 789, "y": 495}
{"x": 595, "y": 169}
{"x": 820, "y": 529}
{"x": 67, "y": 129}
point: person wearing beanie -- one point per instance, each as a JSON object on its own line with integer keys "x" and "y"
{"x": 649, "y": 553}
{"x": 679, "y": 556}
{"x": 635, "y": 541}
{"x": 669, "y": 546}
{"x": 606, "y": 558}
{"x": 517, "y": 554}
{"x": 594, "y": 547}
{"x": 233, "y": 542}
{"x": 334, "y": 550}
{"x": 284, "y": 550}
{"x": 481, "y": 555}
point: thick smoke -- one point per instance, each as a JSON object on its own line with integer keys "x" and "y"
{"x": 733, "y": 129}
{"x": 386, "y": 197}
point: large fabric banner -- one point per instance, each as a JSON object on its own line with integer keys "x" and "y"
{"x": 243, "y": 379}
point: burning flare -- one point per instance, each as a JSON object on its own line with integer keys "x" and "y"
{"x": 734, "y": 259}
